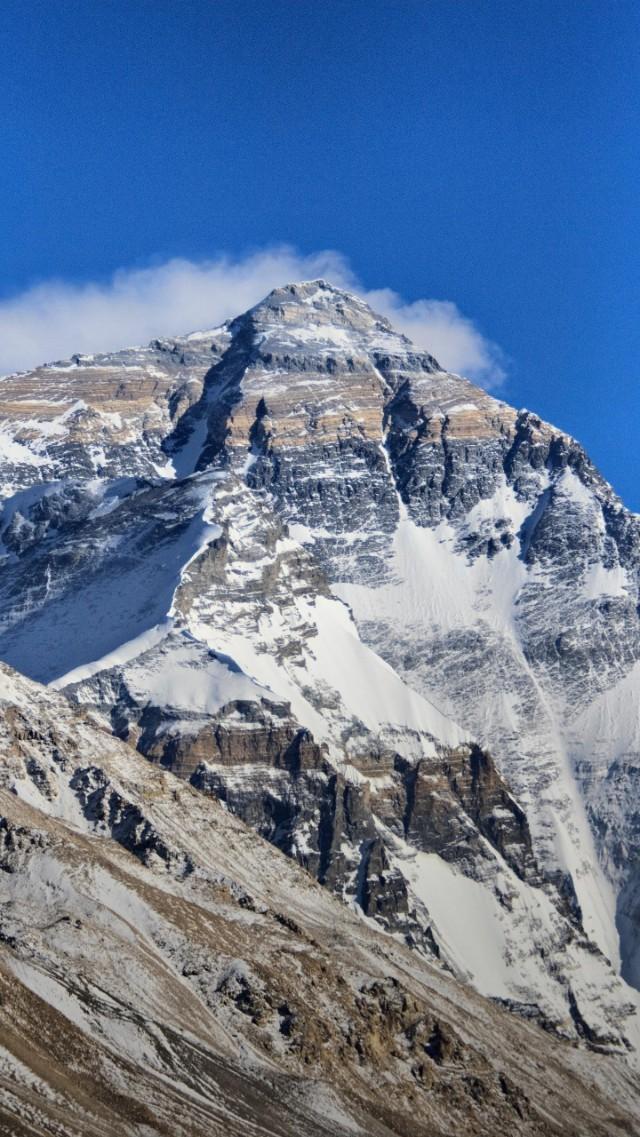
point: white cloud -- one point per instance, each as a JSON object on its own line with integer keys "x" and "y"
{"x": 54, "y": 319}
{"x": 440, "y": 327}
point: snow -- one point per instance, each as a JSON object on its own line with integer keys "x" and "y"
{"x": 469, "y": 921}
{"x": 126, "y": 617}
{"x": 601, "y": 581}
{"x": 488, "y": 942}
{"x": 248, "y": 463}
{"x": 51, "y": 991}
{"x": 371, "y": 689}
{"x": 609, "y": 728}
{"x": 322, "y": 1099}
{"x": 184, "y": 458}
{"x": 304, "y": 535}
{"x": 574, "y": 488}
{"x": 177, "y": 677}
{"x": 355, "y": 682}
{"x": 167, "y": 470}
{"x": 12, "y": 1068}
{"x": 16, "y": 453}
{"x": 319, "y": 333}
{"x": 24, "y": 499}
{"x": 264, "y": 670}
{"x": 434, "y": 585}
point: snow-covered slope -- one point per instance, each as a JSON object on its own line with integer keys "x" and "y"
{"x": 391, "y": 621}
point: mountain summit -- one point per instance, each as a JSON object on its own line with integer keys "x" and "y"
{"x": 390, "y": 621}
{"x": 316, "y": 303}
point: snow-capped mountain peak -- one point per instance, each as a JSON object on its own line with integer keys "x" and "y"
{"x": 391, "y": 621}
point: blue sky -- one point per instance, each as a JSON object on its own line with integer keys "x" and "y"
{"x": 473, "y": 151}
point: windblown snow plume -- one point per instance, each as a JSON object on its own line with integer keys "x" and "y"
{"x": 56, "y": 318}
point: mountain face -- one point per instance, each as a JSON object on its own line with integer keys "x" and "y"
{"x": 390, "y": 622}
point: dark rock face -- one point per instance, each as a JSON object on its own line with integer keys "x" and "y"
{"x": 103, "y": 805}
{"x": 272, "y": 774}
{"x": 16, "y": 842}
{"x": 358, "y": 489}
{"x": 438, "y": 476}
{"x": 449, "y": 805}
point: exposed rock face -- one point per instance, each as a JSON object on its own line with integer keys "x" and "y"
{"x": 455, "y": 750}
{"x": 466, "y": 778}
{"x": 161, "y": 965}
{"x": 101, "y": 416}
{"x": 271, "y": 773}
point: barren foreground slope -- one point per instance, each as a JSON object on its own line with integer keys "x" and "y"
{"x": 163, "y": 970}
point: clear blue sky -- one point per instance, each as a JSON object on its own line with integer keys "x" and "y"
{"x": 481, "y": 151}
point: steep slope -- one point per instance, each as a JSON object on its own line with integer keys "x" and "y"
{"x": 164, "y": 971}
{"x": 491, "y": 579}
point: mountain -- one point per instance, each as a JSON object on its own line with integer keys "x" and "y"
{"x": 389, "y": 621}
{"x": 164, "y": 971}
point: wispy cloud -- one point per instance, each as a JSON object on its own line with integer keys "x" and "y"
{"x": 439, "y": 326}
{"x": 54, "y": 319}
